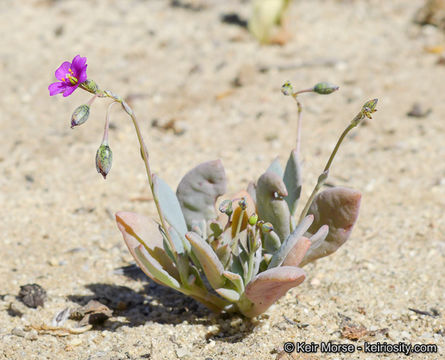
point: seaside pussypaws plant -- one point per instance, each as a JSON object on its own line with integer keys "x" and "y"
{"x": 231, "y": 253}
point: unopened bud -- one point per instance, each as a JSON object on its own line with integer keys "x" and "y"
{"x": 226, "y": 207}
{"x": 242, "y": 203}
{"x": 90, "y": 86}
{"x": 325, "y": 88}
{"x": 80, "y": 115}
{"x": 253, "y": 219}
{"x": 287, "y": 88}
{"x": 369, "y": 108}
{"x": 104, "y": 159}
{"x": 267, "y": 227}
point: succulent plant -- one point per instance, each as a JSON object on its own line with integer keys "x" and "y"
{"x": 248, "y": 253}
{"x": 232, "y": 253}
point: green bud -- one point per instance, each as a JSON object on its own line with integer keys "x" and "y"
{"x": 267, "y": 227}
{"x": 226, "y": 207}
{"x": 253, "y": 219}
{"x": 369, "y": 108}
{"x": 104, "y": 159}
{"x": 287, "y": 89}
{"x": 90, "y": 86}
{"x": 80, "y": 115}
{"x": 325, "y": 88}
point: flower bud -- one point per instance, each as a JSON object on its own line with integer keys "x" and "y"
{"x": 226, "y": 207}
{"x": 287, "y": 88}
{"x": 267, "y": 227}
{"x": 369, "y": 108}
{"x": 80, "y": 115}
{"x": 90, "y": 86}
{"x": 325, "y": 88}
{"x": 253, "y": 219}
{"x": 104, "y": 159}
{"x": 243, "y": 203}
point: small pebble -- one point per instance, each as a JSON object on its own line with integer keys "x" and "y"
{"x": 18, "y": 332}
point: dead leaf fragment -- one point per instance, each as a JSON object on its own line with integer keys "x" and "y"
{"x": 92, "y": 313}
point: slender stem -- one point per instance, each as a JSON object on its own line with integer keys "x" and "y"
{"x": 324, "y": 175}
{"x": 144, "y": 153}
{"x": 107, "y": 123}
{"x": 300, "y": 110}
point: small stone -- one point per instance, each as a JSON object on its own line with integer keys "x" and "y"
{"x": 32, "y": 295}
{"x": 32, "y": 335}
{"x": 182, "y": 352}
{"x": 16, "y": 309}
{"x": 18, "y": 332}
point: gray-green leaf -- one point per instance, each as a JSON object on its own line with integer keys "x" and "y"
{"x": 198, "y": 190}
{"x": 292, "y": 180}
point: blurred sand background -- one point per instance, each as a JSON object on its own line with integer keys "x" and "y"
{"x": 222, "y": 91}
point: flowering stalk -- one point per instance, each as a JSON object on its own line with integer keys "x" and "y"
{"x": 366, "y": 111}
{"x": 144, "y": 153}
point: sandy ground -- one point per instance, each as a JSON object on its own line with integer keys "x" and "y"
{"x": 57, "y": 227}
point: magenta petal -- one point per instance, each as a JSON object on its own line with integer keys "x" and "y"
{"x": 83, "y": 75}
{"x": 62, "y": 70}
{"x": 56, "y": 88}
{"x": 69, "y": 90}
{"x": 78, "y": 65}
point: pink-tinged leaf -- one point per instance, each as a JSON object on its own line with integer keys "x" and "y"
{"x": 210, "y": 263}
{"x": 138, "y": 229}
{"x": 270, "y": 285}
{"x": 297, "y": 253}
{"x": 251, "y": 190}
{"x": 155, "y": 268}
{"x": 288, "y": 244}
{"x": 229, "y": 294}
{"x": 338, "y": 208}
{"x": 198, "y": 190}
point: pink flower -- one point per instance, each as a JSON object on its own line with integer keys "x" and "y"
{"x": 70, "y": 74}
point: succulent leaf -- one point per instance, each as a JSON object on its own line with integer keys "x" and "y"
{"x": 271, "y": 205}
{"x": 138, "y": 229}
{"x": 296, "y": 254}
{"x": 292, "y": 180}
{"x": 272, "y": 242}
{"x": 289, "y": 243}
{"x": 229, "y": 294}
{"x": 210, "y": 263}
{"x": 275, "y": 167}
{"x": 251, "y": 190}
{"x": 155, "y": 268}
{"x": 338, "y": 208}
{"x": 170, "y": 208}
{"x": 270, "y": 285}
{"x": 198, "y": 190}
{"x": 236, "y": 280}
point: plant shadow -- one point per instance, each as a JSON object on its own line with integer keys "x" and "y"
{"x": 162, "y": 305}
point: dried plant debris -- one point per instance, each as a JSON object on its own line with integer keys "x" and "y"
{"x": 32, "y": 295}
{"x": 432, "y": 13}
{"x": 432, "y": 313}
{"x": 93, "y": 313}
{"x": 170, "y": 125}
